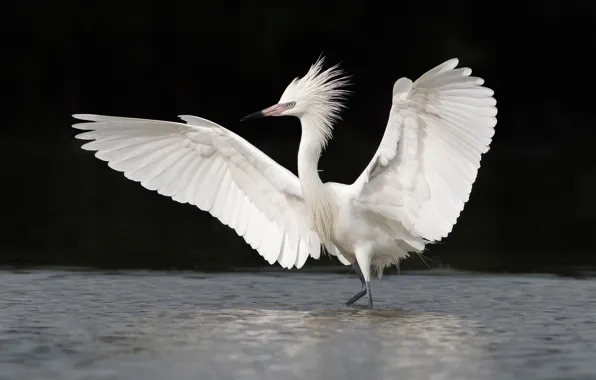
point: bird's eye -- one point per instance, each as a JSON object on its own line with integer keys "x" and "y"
{"x": 290, "y": 104}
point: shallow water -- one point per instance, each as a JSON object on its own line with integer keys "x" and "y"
{"x": 135, "y": 325}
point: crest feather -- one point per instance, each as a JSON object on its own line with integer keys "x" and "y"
{"x": 322, "y": 92}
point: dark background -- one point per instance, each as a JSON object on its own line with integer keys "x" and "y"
{"x": 532, "y": 208}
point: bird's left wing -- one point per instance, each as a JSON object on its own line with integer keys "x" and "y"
{"x": 423, "y": 171}
{"x": 207, "y": 165}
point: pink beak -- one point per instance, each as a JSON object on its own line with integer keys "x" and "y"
{"x": 274, "y": 110}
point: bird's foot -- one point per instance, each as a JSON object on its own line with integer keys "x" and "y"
{"x": 364, "y": 291}
{"x": 356, "y": 297}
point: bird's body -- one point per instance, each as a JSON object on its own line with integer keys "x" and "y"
{"x": 410, "y": 194}
{"x": 357, "y": 229}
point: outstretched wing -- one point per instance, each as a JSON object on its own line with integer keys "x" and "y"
{"x": 423, "y": 172}
{"x": 206, "y": 165}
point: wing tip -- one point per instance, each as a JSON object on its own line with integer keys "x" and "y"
{"x": 83, "y": 127}
{"x": 86, "y": 116}
{"x": 198, "y": 121}
{"x": 453, "y": 61}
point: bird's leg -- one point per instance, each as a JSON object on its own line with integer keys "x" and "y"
{"x": 359, "y": 273}
{"x": 369, "y": 293}
{"x": 362, "y": 291}
{"x": 364, "y": 254}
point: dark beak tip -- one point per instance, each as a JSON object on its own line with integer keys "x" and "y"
{"x": 254, "y": 115}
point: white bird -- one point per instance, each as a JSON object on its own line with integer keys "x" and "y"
{"x": 410, "y": 194}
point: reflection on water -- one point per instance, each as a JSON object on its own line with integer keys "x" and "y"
{"x": 72, "y": 325}
{"x": 334, "y": 344}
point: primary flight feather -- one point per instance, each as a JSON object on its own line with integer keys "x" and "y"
{"x": 409, "y": 195}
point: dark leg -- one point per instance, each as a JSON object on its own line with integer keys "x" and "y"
{"x": 359, "y": 273}
{"x": 362, "y": 291}
{"x": 356, "y": 297}
{"x": 369, "y": 292}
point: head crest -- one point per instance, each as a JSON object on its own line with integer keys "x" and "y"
{"x": 321, "y": 92}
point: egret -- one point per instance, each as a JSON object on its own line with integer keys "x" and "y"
{"x": 409, "y": 195}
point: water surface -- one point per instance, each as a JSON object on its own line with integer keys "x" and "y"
{"x": 134, "y": 325}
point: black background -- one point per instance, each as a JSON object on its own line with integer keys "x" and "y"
{"x": 532, "y": 208}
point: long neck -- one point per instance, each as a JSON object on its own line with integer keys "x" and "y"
{"x": 319, "y": 201}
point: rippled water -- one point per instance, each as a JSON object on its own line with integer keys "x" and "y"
{"x": 91, "y": 325}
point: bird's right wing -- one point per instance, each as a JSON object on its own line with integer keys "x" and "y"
{"x": 206, "y": 165}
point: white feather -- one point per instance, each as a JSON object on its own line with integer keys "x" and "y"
{"x": 428, "y": 159}
{"x": 207, "y": 165}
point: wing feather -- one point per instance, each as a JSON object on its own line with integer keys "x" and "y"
{"x": 206, "y": 165}
{"x": 422, "y": 174}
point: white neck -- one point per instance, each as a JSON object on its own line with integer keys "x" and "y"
{"x": 319, "y": 201}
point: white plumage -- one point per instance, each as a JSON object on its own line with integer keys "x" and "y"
{"x": 423, "y": 171}
{"x": 214, "y": 169}
{"x": 410, "y": 194}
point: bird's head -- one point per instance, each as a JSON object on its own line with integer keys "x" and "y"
{"x": 319, "y": 94}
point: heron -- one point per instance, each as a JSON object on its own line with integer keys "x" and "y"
{"x": 409, "y": 195}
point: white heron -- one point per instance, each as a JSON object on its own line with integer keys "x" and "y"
{"x": 410, "y": 194}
